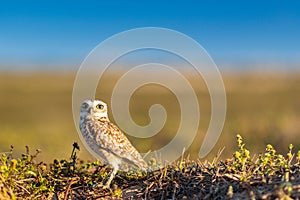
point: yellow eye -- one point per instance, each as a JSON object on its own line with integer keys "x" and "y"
{"x": 100, "y": 106}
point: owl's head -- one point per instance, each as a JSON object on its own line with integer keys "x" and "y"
{"x": 95, "y": 108}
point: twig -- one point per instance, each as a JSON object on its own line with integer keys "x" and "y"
{"x": 68, "y": 189}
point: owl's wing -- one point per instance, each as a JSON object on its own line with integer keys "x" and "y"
{"x": 111, "y": 138}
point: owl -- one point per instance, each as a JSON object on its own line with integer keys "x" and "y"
{"x": 106, "y": 139}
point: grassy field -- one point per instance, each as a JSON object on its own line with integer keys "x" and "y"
{"x": 35, "y": 110}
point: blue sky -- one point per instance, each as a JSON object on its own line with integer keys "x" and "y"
{"x": 62, "y": 33}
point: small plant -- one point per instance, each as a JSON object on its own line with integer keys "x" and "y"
{"x": 242, "y": 156}
{"x": 241, "y": 162}
{"x": 23, "y": 175}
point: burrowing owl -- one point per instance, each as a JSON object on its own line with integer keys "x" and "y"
{"x": 106, "y": 139}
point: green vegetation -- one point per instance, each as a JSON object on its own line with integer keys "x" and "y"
{"x": 268, "y": 176}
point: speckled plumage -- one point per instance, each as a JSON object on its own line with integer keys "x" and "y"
{"x": 106, "y": 139}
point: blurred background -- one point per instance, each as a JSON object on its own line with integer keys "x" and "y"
{"x": 255, "y": 45}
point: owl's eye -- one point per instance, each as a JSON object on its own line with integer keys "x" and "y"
{"x": 100, "y": 106}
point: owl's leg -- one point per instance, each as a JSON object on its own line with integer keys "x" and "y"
{"x": 112, "y": 175}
